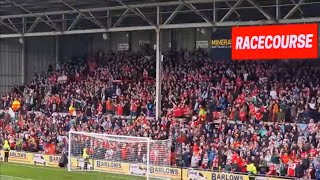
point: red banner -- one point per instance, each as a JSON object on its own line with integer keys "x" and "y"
{"x": 50, "y": 149}
{"x": 295, "y": 41}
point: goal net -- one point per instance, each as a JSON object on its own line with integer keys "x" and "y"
{"x": 126, "y": 155}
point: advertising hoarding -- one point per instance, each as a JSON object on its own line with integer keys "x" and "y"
{"x": 295, "y": 41}
{"x": 221, "y": 43}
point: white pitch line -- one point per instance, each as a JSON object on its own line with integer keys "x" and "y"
{"x": 15, "y": 177}
{"x": 56, "y": 169}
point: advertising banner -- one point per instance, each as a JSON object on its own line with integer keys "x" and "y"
{"x": 196, "y": 174}
{"x": 295, "y": 41}
{"x": 74, "y": 163}
{"x": 123, "y": 47}
{"x": 109, "y": 166}
{"x": 127, "y": 168}
{"x": 221, "y": 43}
{"x": 318, "y": 41}
{"x": 202, "y": 44}
{"x": 46, "y": 160}
{"x": 228, "y": 176}
{"x": 270, "y": 178}
{"x": 167, "y": 172}
{"x": 20, "y": 157}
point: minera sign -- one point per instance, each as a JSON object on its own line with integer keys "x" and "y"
{"x": 296, "y": 41}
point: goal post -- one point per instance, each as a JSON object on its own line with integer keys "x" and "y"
{"x": 119, "y": 154}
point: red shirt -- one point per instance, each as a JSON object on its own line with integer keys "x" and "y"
{"x": 109, "y": 105}
{"x": 242, "y": 115}
{"x": 285, "y": 159}
{"x": 134, "y": 107}
{"x": 124, "y": 153}
{"x": 120, "y": 109}
{"x": 238, "y": 81}
{"x": 177, "y": 112}
{"x": 313, "y": 152}
{"x": 252, "y": 109}
{"x": 258, "y": 115}
{"x": 292, "y": 169}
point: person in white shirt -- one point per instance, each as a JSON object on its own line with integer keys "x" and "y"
{"x": 195, "y": 160}
{"x": 273, "y": 94}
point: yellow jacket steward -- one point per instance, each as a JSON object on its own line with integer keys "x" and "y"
{"x": 6, "y": 146}
{"x": 251, "y": 168}
{"x": 84, "y": 154}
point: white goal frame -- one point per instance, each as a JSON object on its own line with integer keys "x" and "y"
{"x": 105, "y": 136}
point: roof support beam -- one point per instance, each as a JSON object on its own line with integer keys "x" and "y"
{"x": 168, "y": 26}
{"x": 109, "y": 19}
{"x": 278, "y": 11}
{"x": 49, "y": 19}
{"x": 136, "y": 11}
{"x": 89, "y": 31}
{"x": 24, "y": 25}
{"x": 235, "y": 11}
{"x": 85, "y": 16}
{"x": 194, "y": 9}
{"x": 96, "y": 20}
{"x": 9, "y": 20}
{"x": 37, "y": 16}
{"x": 173, "y": 14}
{"x": 34, "y": 24}
{"x": 293, "y": 10}
{"x": 74, "y": 22}
{"x": 299, "y": 9}
{"x": 64, "y": 22}
{"x": 123, "y": 15}
{"x": 214, "y": 11}
{"x": 103, "y": 9}
{"x": 261, "y": 10}
{"x": 10, "y": 27}
{"x": 231, "y": 10}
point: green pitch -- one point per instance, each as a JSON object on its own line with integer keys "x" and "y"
{"x": 10, "y": 171}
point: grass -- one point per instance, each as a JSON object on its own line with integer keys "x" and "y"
{"x": 11, "y": 171}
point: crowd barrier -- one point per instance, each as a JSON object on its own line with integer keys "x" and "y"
{"x": 129, "y": 168}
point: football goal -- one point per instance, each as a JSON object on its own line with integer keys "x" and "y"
{"x": 126, "y": 155}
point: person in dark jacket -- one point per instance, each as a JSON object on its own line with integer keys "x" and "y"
{"x": 63, "y": 161}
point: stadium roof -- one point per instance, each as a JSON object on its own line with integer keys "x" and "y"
{"x": 20, "y": 18}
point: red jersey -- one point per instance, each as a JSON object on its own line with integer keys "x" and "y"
{"x": 177, "y": 112}
{"x": 133, "y": 107}
{"x": 292, "y": 169}
{"x": 120, "y": 109}
{"x": 258, "y": 115}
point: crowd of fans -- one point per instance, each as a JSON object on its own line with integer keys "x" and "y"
{"x": 256, "y": 117}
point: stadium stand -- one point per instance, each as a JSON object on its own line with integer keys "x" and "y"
{"x": 240, "y": 117}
